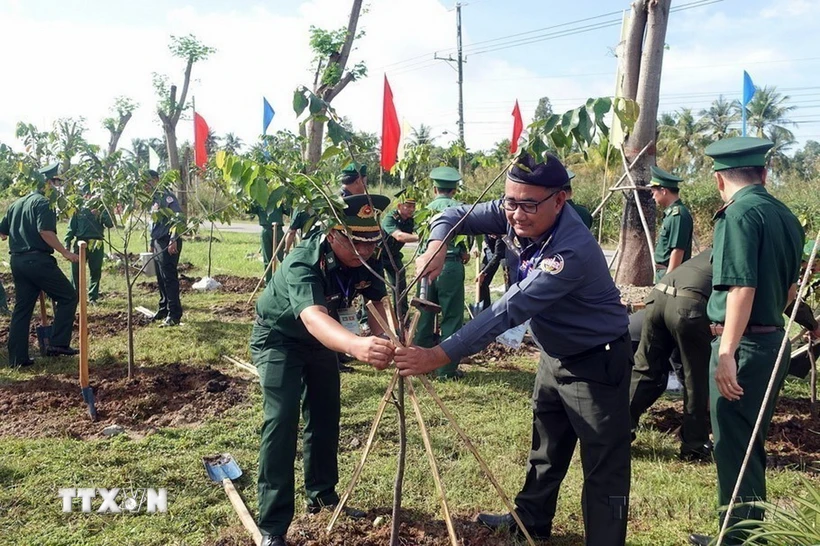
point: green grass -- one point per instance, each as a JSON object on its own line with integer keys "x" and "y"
{"x": 669, "y": 498}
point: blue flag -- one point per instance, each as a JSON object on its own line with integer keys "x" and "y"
{"x": 748, "y": 88}
{"x": 267, "y": 115}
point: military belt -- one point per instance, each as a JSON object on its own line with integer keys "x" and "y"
{"x": 717, "y": 329}
{"x": 29, "y": 252}
{"x": 674, "y": 292}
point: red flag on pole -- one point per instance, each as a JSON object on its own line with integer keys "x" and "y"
{"x": 518, "y": 126}
{"x": 391, "y": 130}
{"x": 200, "y": 136}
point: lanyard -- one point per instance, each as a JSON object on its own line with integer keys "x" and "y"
{"x": 345, "y": 291}
{"x": 526, "y": 266}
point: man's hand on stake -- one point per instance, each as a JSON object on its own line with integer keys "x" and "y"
{"x": 430, "y": 262}
{"x": 418, "y": 360}
{"x": 374, "y": 350}
{"x": 726, "y": 378}
{"x": 172, "y": 247}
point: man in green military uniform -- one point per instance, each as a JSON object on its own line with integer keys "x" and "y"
{"x": 398, "y": 228}
{"x": 675, "y": 317}
{"x": 304, "y": 319}
{"x": 266, "y": 220}
{"x": 758, "y": 244}
{"x": 31, "y": 228}
{"x": 674, "y": 245}
{"x": 582, "y": 211}
{"x": 88, "y": 225}
{"x": 448, "y": 288}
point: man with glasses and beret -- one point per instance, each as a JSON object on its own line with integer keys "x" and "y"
{"x": 304, "y": 317}
{"x": 581, "y": 388}
{"x": 31, "y": 228}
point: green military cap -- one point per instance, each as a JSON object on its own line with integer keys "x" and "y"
{"x": 662, "y": 179}
{"x": 734, "y": 152}
{"x": 445, "y": 178}
{"x": 352, "y": 172}
{"x": 570, "y": 176}
{"x": 50, "y": 172}
{"x": 360, "y": 217}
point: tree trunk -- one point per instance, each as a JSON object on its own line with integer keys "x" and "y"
{"x": 316, "y": 133}
{"x": 398, "y": 484}
{"x": 117, "y": 133}
{"x": 649, "y": 17}
{"x": 129, "y": 295}
{"x": 174, "y": 163}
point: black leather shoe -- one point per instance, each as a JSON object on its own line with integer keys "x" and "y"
{"x": 159, "y": 317}
{"x": 700, "y": 540}
{"x": 23, "y": 364}
{"x": 347, "y": 510}
{"x": 697, "y": 454}
{"x": 455, "y": 376}
{"x": 59, "y": 350}
{"x": 273, "y": 540}
{"x": 506, "y": 521}
{"x": 169, "y": 323}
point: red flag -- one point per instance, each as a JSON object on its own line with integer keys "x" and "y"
{"x": 391, "y": 130}
{"x": 200, "y": 136}
{"x": 518, "y": 126}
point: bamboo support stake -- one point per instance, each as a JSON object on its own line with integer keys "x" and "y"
{"x": 241, "y": 364}
{"x": 428, "y": 447}
{"x": 429, "y": 387}
{"x": 367, "y": 447}
{"x": 83, "y": 296}
{"x": 600, "y": 207}
{"x": 274, "y": 246}
{"x": 640, "y": 211}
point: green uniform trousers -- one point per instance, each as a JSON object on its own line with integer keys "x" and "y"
{"x": 399, "y": 280}
{"x": 670, "y": 322}
{"x": 94, "y": 258}
{"x": 267, "y": 249}
{"x": 33, "y": 273}
{"x": 448, "y": 291}
{"x": 292, "y": 376}
{"x": 733, "y": 422}
{"x": 586, "y": 399}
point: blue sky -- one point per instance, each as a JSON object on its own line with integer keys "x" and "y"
{"x": 72, "y": 57}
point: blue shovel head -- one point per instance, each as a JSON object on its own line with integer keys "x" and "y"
{"x": 88, "y": 398}
{"x": 43, "y": 338}
{"x": 221, "y": 466}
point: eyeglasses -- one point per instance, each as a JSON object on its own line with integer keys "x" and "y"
{"x": 529, "y": 207}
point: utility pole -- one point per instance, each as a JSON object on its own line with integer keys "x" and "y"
{"x": 460, "y": 62}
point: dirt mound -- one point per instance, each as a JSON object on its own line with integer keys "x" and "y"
{"x": 173, "y": 395}
{"x": 111, "y": 324}
{"x": 793, "y": 439}
{"x": 417, "y": 530}
{"x": 497, "y": 355}
{"x": 234, "y": 311}
{"x": 230, "y": 283}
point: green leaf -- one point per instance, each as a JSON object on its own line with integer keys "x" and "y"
{"x": 585, "y": 128}
{"x": 330, "y": 151}
{"x": 237, "y": 170}
{"x": 336, "y": 132}
{"x": 275, "y": 198}
{"x": 316, "y": 104}
{"x": 570, "y": 120}
{"x": 220, "y": 159}
{"x": 300, "y": 102}
{"x": 560, "y": 140}
{"x": 259, "y": 191}
{"x": 627, "y": 111}
{"x": 600, "y": 108}
{"x": 551, "y": 122}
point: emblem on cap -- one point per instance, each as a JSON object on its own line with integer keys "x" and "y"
{"x": 552, "y": 264}
{"x": 366, "y": 212}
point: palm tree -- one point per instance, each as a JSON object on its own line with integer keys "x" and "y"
{"x": 783, "y": 139}
{"x": 232, "y": 143}
{"x": 422, "y": 135}
{"x": 716, "y": 122}
{"x": 768, "y": 110}
{"x": 67, "y": 140}
{"x": 679, "y": 140}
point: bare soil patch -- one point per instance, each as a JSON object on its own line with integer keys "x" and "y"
{"x": 230, "y": 283}
{"x": 168, "y": 396}
{"x": 793, "y": 440}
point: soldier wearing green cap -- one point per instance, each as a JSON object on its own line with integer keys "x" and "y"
{"x": 398, "y": 228}
{"x": 304, "y": 318}
{"x": 582, "y": 211}
{"x": 756, "y": 256}
{"x": 674, "y": 245}
{"x": 448, "y": 288}
{"x": 31, "y": 228}
{"x": 88, "y": 224}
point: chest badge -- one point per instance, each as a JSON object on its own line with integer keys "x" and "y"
{"x": 362, "y": 285}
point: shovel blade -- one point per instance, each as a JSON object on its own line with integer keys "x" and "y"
{"x": 88, "y": 398}
{"x": 43, "y": 336}
{"x": 221, "y": 466}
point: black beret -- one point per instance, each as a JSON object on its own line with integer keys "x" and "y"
{"x": 550, "y": 174}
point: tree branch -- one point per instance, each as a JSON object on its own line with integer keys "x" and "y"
{"x": 331, "y": 93}
{"x": 347, "y": 47}
{"x": 180, "y": 106}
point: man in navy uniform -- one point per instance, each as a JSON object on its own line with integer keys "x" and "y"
{"x": 166, "y": 243}
{"x": 582, "y": 386}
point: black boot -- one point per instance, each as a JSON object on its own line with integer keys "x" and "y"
{"x": 506, "y": 521}
{"x": 273, "y": 540}
{"x": 700, "y": 540}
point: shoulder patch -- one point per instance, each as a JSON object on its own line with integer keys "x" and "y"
{"x": 169, "y": 199}
{"x": 552, "y": 264}
{"x": 675, "y": 211}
